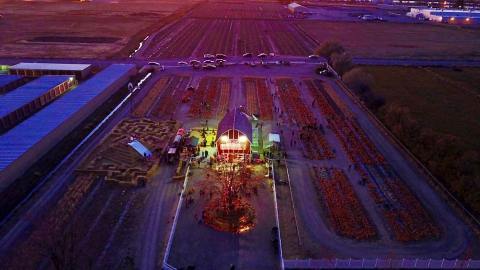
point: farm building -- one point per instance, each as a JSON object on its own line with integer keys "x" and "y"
{"x": 9, "y": 82}
{"x": 452, "y": 16}
{"x": 80, "y": 71}
{"x": 24, "y": 144}
{"x": 234, "y": 136}
{"x": 31, "y": 97}
{"x": 297, "y": 9}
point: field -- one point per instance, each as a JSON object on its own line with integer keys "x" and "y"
{"x": 66, "y": 27}
{"x": 402, "y": 211}
{"x": 398, "y": 40}
{"x": 342, "y": 189}
{"x": 259, "y": 100}
{"x": 442, "y": 99}
{"x": 164, "y": 98}
{"x": 195, "y": 37}
{"x": 443, "y": 107}
{"x": 211, "y": 98}
{"x": 238, "y": 10}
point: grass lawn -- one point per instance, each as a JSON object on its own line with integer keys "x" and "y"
{"x": 442, "y": 99}
{"x": 398, "y": 40}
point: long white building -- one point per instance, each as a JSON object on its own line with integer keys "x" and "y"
{"x": 453, "y": 16}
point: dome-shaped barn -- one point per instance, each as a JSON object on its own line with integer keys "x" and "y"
{"x": 234, "y": 136}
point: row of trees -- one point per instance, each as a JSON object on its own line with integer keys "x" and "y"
{"x": 445, "y": 155}
{"x": 354, "y": 77}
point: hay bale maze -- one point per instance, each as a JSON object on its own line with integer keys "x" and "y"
{"x": 114, "y": 160}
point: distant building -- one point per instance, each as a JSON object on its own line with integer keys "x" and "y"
{"x": 453, "y": 16}
{"x": 445, "y": 4}
{"x": 80, "y": 71}
{"x": 28, "y": 141}
{"x": 10, "y": 82}
{"x": 24, "y": 101}
{"x": 298, "y": 9}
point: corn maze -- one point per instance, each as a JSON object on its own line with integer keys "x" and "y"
{"x": 114, "y": 160}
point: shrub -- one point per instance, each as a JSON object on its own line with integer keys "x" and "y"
{"x": 328, "y": 48}
{"x": 341, "y": 62}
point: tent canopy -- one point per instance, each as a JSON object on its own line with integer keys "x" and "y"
{"x": 140, "y": 148}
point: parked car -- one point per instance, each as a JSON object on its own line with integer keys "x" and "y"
{"x": 323, "y": 70}
{"x": 368, "y": 17}
{"x": 195, "y": 62}
{"x": 313, "y": 56}
{"x": 209, "y": 67}
{"x": 209, "y": 62}
{"x": 247, "y": 54}
{"x": 208, "y": 56}
{"x": 219, "y": 62}
{"x": 152, "y": 66}
{"x": 182, "y": 63}
{"x": 220, "y": 56}
{"x": 262, "y": 55}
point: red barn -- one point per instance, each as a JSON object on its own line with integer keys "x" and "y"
{"x": 234, "y": 136}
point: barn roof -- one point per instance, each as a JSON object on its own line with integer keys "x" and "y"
{"x": 51, "y": 66}
{"x": 7, "y": 79}
{"x": 235, "y": 119}
{"x": 58, "y": 113}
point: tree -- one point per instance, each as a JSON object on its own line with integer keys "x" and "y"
{"x": 327, "y": 48}
{"x": 358, "y": 80}
{"x": 341, "y": 62}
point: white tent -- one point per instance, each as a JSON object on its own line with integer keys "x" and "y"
{"x": 140, "y": 148}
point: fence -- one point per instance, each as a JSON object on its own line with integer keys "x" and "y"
{"x": 382, "y": 263}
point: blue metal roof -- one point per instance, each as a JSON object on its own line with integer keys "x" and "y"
{"x": 6, "y": 79}
{"x": 27, "y": 93}
{"x": 456, "y": 14}
{"x": 19, "y": 139}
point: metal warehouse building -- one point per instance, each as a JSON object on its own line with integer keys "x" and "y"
{"x": 22, "y": 102}
{"x": 23, "y": 145}
{"x": 9, "y": 82}
{"x": 80, "y": 71}
{"x": 452, "y": 16}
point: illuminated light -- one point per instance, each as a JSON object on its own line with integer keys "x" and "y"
{"x": 70, "y": 79}
{"x": 224, "y": 138}
{"x": 467, "y": 19}
{"x": 452, "y": 19}
{"x": 243, "y": 139}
